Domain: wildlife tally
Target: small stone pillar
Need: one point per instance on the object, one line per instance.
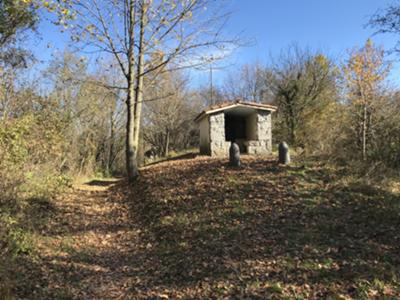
(284, 155)
(234, 155)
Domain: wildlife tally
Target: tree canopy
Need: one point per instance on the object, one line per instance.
(15, 15)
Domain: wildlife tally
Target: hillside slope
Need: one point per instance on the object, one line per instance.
(195, 228)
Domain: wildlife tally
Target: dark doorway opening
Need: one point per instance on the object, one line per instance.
(235, 130)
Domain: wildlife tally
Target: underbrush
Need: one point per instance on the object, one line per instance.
(21, 223)
(21, 220)
(30, 152)
(171, 156)
(355, 171)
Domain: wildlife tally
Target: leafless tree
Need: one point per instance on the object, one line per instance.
(132, 30)
(247, 84)
(169, 120)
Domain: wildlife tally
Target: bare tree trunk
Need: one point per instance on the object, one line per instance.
(166, 147)
(111, 144)
(364, 133)
(139, 74)
(81, 166)
(131, 163)
(135, 110)
(292, 130)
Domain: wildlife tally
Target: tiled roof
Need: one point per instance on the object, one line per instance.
(227, 105)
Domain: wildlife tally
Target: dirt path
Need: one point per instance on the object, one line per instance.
(88, 250)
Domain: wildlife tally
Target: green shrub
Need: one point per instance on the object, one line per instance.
(32, 149)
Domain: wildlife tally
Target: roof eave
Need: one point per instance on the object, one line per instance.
(204, 113)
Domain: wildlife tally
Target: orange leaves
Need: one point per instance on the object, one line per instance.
(365, 71)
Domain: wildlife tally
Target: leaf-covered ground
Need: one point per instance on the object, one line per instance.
(195, 228)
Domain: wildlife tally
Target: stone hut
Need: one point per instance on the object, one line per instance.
(246, 123)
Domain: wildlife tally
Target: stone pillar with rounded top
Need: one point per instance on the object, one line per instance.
(284, 155)
(234, 155)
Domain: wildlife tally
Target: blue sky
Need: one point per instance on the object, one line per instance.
(333, 26)
(330, 25)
